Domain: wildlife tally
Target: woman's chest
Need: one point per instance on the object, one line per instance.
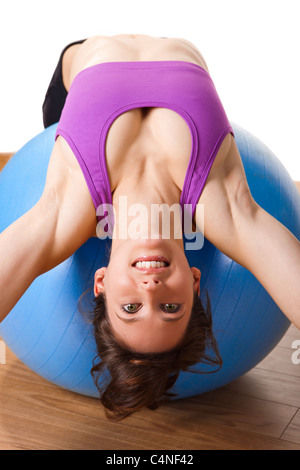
(143, 138)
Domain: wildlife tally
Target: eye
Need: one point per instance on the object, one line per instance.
(170, 308)
(131, 308)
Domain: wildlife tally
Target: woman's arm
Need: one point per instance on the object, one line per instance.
(24, 248)
(272, 253)
(246, 233)
(62, 220)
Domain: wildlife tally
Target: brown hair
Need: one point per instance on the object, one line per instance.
(135, 380)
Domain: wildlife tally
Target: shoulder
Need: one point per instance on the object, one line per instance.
(226, 197)
(65, 183)
(227, 175)
(63, 168)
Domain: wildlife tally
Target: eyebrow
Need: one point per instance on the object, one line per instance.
(134, 319)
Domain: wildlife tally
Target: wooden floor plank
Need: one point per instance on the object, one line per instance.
(292, 433)
(4, 159)
(37, 415)
(68, 421)
(234, 410)
(269, 386)
(280, 360)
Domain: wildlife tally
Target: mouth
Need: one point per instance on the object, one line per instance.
(151, 263)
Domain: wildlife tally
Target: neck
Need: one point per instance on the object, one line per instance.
(146, 208)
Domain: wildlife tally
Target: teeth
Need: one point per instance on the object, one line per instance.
(150, 264)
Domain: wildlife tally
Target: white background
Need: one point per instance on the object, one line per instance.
(251, 48)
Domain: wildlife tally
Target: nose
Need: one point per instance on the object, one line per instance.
(150, 285)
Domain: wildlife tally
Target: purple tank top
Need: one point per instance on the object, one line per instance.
(101, 93)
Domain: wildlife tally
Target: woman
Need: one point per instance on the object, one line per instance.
(143, 121)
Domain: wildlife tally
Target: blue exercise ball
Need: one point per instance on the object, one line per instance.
(46, 331)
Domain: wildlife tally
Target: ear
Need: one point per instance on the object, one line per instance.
(99, 281)
(197, 276)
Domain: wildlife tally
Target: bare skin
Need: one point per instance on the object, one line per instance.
(138, 145)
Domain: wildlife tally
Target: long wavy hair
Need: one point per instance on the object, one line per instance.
(127, 381)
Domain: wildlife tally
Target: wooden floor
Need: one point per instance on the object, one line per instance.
(260, 411)
(4, 159)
